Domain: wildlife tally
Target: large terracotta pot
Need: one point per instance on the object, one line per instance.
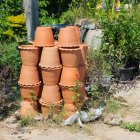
(51, 94)
(50, 109)
(51, 75)
(50, 57)
(69, 96)
(29, 75)
(77, 31)
(29, 54)
(29, 109)
(69, 76)
(67, 38)
(30, 93)
(70, 57)
(82, 71)
(43, 37)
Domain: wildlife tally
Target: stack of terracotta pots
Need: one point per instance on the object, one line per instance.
(51, 69)
(73, 57)
(29, 80)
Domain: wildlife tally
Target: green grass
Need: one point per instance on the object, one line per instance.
(26, 121)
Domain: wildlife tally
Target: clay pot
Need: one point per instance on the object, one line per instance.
(51, 94)
(82, 71)
(70, 57)
(50, 109)
(29, 109)
(67, 38)
(51, 75)
(29, 75)
(69, 76)
(43, 37)
(83, 53)
(77, 31)
(29, 54)
(50, 57)
(30, 93)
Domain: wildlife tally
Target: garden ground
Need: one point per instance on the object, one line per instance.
(103, 129)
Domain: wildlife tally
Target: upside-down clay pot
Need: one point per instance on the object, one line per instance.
(29, 75)
(67, 38)
(30, 93)
(77, 31)
(83, 53)
(51, 94)
(51, 75)
(70, 57)
(50, 57)
(69, 76)
(43, 37)
(29, 109)
(29, 54)
(82, 71)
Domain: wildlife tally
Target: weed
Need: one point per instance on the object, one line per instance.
(26, 121)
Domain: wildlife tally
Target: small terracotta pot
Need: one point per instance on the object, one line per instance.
(29, 75)
(43, 37)
(82, 71)
(50, 109)
(30, 93)
(67, 38)
(70, 57)
(50, 57)
(69, 76)
(51, 76)
(29, 54)
(83, 53)
(77, 31)
(29, 109)
(51, 94)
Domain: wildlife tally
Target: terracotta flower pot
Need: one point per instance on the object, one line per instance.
(70, 57)
(77, 31)
(51, 94)
(67, 38)
(50, 57)
(51, 75)
(82, 71)
(30, 93)
(29, 109)
(29, 75)
(83, 53)
(69, 96)
(69, 76)
(50, 109)
(43, 37)
(29, 54)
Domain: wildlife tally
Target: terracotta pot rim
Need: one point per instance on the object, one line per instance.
(32, 85)
(43, 27)
(50, 68)
(27, 47)
(70, 49)
(68, 45)
(44, 103)
(42, 45)
(69, 86)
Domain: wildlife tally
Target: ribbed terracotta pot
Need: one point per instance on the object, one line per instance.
(82, 71)
(50, 57)
(68, 38)
(30, 93)
(70, 57)
(29, 109)
(43, 37)
(83, 53)
(28, 75)
(51, 75)
(77, 31)
(69, 76)
(50, 109)
(29, 54)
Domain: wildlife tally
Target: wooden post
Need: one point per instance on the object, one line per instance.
(32, 18)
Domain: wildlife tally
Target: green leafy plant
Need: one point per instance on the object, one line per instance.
(26, 121)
